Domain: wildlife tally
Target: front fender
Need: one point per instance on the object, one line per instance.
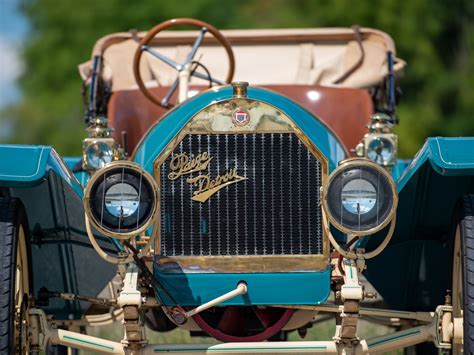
(28, 165)
(62, 257)
(446, 156)
(430, 187)
(414, 271)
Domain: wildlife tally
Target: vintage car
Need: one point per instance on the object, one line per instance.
(239, 184)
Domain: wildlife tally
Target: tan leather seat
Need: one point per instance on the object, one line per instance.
(346, 111)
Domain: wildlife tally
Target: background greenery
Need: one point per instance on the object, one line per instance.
(435, 37)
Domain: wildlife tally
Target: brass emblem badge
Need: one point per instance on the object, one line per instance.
(241, 117)
(206, 187)
(182, 164)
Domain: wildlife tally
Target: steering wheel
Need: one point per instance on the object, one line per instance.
(183, 68)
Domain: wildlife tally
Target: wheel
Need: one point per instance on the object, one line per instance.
(204, 27)
(156, 320)
(56, 350)
(15, 283)
(422, 349)
(242, 323)
(463, 275)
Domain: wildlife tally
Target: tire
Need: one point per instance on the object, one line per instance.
(59, 350)
(463, 274)
(156, 320)
(15, 283)
(422, 349)
(463, 280)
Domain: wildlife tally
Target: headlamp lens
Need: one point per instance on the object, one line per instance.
(358, 196)
(122, 200)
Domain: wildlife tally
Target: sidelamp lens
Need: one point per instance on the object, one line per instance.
(99, 154)
(380, 151)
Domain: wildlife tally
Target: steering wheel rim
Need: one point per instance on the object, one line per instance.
(172, 23)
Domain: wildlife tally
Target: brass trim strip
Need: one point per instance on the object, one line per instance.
(244, 263)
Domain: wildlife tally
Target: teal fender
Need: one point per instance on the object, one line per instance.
(414, 271)
(62, 257)
(27, 165)
(192, 289)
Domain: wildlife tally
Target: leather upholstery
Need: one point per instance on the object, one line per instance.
(346, 111)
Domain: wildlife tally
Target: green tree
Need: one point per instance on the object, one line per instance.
(433, 36)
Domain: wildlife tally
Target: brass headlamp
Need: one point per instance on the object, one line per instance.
(120, 200)
(360, 197)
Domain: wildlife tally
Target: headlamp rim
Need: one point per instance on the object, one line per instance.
(93, 180)
(351, 163)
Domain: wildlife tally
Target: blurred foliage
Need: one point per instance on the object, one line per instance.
(433, 36)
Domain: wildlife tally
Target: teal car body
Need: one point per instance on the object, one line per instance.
(429, 188)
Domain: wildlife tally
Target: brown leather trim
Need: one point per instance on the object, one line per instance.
(345, 112)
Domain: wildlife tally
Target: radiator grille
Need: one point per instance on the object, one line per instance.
(275, 211)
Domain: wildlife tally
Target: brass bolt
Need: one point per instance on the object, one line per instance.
(372, 295)
(448, 298)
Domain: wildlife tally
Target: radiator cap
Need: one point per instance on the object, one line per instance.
(240, 88)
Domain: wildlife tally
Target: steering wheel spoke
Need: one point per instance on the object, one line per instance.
(206, 77)
(162, 57)
(203, 29)
(166, 100)
(195, 47)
